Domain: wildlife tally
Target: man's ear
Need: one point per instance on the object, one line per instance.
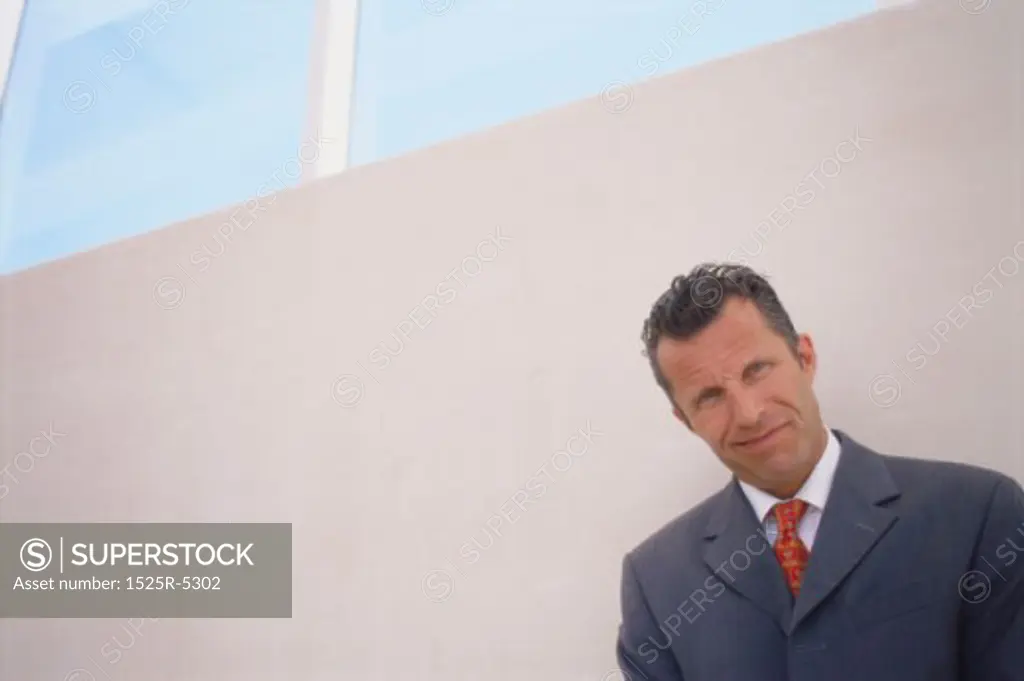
(807, 355)
(681, 416)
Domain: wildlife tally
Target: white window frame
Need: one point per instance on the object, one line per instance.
(332, 76)
(10, 22)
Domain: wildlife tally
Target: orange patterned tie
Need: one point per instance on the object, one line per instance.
(789, 548)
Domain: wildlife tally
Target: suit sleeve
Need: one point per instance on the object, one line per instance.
(993, 622)
(637, 651)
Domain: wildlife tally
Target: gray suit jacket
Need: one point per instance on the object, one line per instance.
(916, 574)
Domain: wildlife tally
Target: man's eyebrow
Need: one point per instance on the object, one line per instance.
(706, 391)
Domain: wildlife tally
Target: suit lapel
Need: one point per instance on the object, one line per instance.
(851, 525)
(738, 553)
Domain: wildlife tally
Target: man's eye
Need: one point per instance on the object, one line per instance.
(706, 400)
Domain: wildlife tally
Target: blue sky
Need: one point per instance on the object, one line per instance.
(123, 116)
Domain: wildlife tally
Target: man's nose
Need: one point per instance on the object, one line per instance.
(747, 406)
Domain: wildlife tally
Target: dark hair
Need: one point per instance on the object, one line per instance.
(696, 299)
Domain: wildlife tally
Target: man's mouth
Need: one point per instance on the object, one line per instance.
(763, 437)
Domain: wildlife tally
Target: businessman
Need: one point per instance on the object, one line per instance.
(820, 560)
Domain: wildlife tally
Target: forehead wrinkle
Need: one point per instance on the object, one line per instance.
(725, 356)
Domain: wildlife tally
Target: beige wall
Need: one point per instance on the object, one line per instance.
(261, 395)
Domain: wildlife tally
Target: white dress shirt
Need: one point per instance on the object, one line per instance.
(814, 492)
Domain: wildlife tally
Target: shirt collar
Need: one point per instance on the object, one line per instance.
(815, 489)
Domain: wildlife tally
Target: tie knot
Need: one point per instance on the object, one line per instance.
(789, 513)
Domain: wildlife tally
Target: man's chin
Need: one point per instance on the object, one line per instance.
(778, 468)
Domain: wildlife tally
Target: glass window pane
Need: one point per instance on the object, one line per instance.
(430, 70)
(122, 116)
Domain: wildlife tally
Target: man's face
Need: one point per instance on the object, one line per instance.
(739, 387)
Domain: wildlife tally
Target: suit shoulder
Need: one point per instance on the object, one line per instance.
(961, 479)
(679, 534)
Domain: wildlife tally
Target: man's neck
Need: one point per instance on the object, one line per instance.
(790, 488)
